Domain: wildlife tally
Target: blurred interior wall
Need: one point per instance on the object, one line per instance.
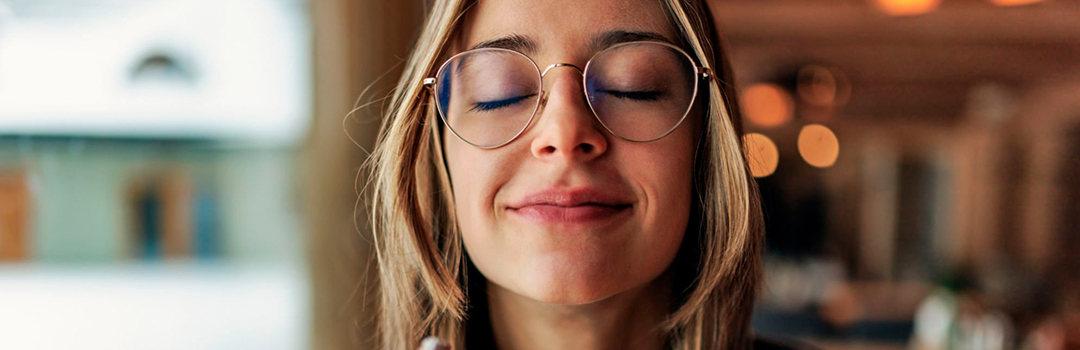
(355, 42)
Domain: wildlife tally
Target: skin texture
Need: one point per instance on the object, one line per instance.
(585, 285)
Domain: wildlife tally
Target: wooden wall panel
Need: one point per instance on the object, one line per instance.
(355, 42)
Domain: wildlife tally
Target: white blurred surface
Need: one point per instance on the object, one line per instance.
(232, 70)
(156, 306)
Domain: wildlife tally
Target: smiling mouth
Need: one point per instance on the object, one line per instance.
(581, 213)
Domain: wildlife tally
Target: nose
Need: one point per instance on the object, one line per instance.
(566, 129)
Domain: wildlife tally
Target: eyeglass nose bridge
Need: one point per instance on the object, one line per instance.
(543, 92)
(557, 65)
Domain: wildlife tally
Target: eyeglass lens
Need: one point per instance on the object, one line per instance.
(638, 91)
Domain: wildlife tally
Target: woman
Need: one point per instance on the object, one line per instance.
(565, 174)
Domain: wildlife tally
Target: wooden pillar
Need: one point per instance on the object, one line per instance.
(355, 42)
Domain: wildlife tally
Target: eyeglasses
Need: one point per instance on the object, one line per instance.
(639, 91)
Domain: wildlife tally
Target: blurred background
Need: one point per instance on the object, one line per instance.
(179, 174)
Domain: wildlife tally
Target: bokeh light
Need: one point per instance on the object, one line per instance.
(767, 105)
(818, 145)
(763, 154)
(822, 86)
(907, 7)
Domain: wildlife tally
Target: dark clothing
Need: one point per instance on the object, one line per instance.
(769, 344)
(478, 324)
(759, 344)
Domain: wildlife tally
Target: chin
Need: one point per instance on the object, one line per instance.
(570, 284)
(569, 296)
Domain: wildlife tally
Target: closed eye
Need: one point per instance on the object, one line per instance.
(485, 106)
(635, 95)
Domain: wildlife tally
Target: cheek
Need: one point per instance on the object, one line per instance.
(472, 176)
(664, 172)
(476, 175)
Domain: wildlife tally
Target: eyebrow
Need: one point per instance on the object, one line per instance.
(614, 37)
(514, 42)
(602, 41)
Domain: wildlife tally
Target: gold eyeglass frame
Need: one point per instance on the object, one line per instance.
(432, 82)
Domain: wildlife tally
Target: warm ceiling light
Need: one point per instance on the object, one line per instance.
(818, 145)
(1013, 2)
(823, 86)
(767, 105)
(762, 154)
(907, 7)
(817, 85)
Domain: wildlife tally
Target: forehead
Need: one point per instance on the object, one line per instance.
(567, 26)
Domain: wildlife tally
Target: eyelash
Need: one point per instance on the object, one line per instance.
(635, 95)
(493, 105)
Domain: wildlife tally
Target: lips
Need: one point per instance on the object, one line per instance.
(577, 205)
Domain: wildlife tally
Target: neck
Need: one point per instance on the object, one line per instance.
(628, 320)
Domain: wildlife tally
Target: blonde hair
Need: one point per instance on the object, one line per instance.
(421, 260)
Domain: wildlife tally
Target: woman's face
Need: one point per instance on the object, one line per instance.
(568, 213)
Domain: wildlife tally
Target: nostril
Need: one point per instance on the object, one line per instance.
(587, 148)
